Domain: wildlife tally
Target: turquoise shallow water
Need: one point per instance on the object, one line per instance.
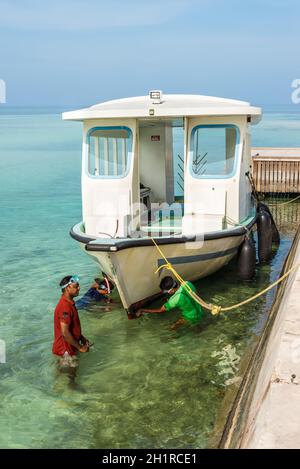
(140, 385)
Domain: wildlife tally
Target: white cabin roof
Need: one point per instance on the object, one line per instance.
(171, 105)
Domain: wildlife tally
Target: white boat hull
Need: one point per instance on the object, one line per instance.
(133, 268)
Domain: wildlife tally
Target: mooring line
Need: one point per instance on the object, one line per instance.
(216, 309)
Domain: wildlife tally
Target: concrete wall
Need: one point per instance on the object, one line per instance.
(274, 414)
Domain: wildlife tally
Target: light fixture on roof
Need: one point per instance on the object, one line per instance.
(156, 96)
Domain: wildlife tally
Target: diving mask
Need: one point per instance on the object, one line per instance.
(73, 279)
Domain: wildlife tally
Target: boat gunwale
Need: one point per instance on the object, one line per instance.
(119, 244)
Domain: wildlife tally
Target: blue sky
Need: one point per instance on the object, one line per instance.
(70, 52)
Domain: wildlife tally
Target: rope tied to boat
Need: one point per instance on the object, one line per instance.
(285, 203)
(232, 222)
(217, 309)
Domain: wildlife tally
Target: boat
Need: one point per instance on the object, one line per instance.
(132, 214)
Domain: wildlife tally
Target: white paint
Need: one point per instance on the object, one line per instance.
(172, 105)
(108, 203)
(215, 196)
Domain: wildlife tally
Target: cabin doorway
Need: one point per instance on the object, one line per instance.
(161, 174)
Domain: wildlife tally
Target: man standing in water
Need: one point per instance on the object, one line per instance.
(191, 311)
(68, 339)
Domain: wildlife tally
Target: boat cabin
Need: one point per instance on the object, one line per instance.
(165, 165)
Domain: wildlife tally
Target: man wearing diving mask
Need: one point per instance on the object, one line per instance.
(68, 339)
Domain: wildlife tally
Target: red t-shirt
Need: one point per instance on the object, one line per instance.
(66, 312)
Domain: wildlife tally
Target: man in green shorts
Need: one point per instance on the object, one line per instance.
(191, 311)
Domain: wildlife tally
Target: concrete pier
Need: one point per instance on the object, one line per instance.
(266, 412)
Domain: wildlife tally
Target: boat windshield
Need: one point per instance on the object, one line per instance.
(109, 152)
(214, 149)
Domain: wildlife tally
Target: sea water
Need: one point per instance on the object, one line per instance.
(141, 385)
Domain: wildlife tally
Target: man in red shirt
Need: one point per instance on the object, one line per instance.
(68, 339)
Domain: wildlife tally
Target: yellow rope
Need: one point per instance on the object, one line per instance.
(285, 203)
(216, 309)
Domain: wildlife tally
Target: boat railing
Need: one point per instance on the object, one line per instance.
(180, 173)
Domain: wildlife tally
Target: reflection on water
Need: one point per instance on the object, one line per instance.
(286, 213)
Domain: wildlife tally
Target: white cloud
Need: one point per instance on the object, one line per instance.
(87, 15)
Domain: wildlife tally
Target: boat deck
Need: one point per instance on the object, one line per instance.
(162, 226)
(165, 225)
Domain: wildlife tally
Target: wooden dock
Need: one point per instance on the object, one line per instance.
(276, 170)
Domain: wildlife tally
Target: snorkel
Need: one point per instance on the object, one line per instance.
(107, 285)
(104, 283)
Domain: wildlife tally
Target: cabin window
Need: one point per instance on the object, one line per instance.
(213, 150)
(109, 151)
